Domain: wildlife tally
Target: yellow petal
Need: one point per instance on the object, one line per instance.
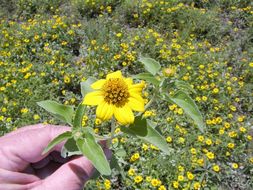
(104, 111)
(93, 98)
(124, 115)
(136, 96)
(137, 87)
(116, 74)
(128, 81)
(98, 84)
(135, 104)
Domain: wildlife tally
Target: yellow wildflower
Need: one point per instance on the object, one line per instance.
(116, 96)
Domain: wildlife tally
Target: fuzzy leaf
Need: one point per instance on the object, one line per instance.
(147, 77)
(93, 151)
(183, 100)
(57, 140)
(145, 130)
(150, 65)
(60, 111)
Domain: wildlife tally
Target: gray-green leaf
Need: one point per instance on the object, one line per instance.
(85, 86)
(79, 116)
(150, 65)
(144, 129)
(183, 100)
(70, 148)
(93, 151)
(184, 86)
(147, 77)
(57, 140)
(60, 111)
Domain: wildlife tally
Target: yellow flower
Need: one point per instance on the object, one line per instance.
(138, 179)
(107, 184)
(180, 178)
(235, 165)
(116, 96)
(190, 176)
(175, 184)
(196, 185)
(131, 172)
(231, 145)
(162, 187)
(66, 79)
(155, 182)
(169, 139)
(216, 168)
(210, 155)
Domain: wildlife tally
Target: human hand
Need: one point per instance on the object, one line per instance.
(23, 167)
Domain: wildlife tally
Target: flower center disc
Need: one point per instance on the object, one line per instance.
(116, 92)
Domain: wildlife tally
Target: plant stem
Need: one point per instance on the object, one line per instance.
(113, 126)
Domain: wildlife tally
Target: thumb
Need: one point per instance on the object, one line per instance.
(72, 175)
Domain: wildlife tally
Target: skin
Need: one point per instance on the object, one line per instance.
(22, 167)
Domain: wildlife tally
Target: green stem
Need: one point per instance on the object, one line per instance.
(113, 126)
(149, 103)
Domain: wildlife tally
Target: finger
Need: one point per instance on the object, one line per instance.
(76, 173)
(26, 128)
(23, 147)
(8, 177)
(18, 186)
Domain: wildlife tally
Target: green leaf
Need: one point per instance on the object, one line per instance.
(79, 116)
(144, 129)
(60, 111)
(183, 100)
(147, 77)
(150, 65)
(120, 152)
(70, 148)
(85, 86)
(93, 151)
(57, 140)
(184, 86)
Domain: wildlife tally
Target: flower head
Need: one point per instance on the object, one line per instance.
(116, 96)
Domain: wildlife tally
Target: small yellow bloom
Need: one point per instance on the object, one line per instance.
(138, 179)
(190, 176)
(180, 178)
(36, 117)
(196, 185)
(162, 187)
(216, 168)
(24, 110)
(116, 96)
(235, 165)
(155, 182)
(107, 184)
(66, 79)
(231, 145)
(169, 139)
(216, 91)
(131, 172)
(175, 184)
(210, 155)
(170, 71)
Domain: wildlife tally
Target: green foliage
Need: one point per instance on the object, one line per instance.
(62, 112)
(93, 151)
(147, 77)
(184, 101)
(57, 140)
(144, 130)
(85, 86)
